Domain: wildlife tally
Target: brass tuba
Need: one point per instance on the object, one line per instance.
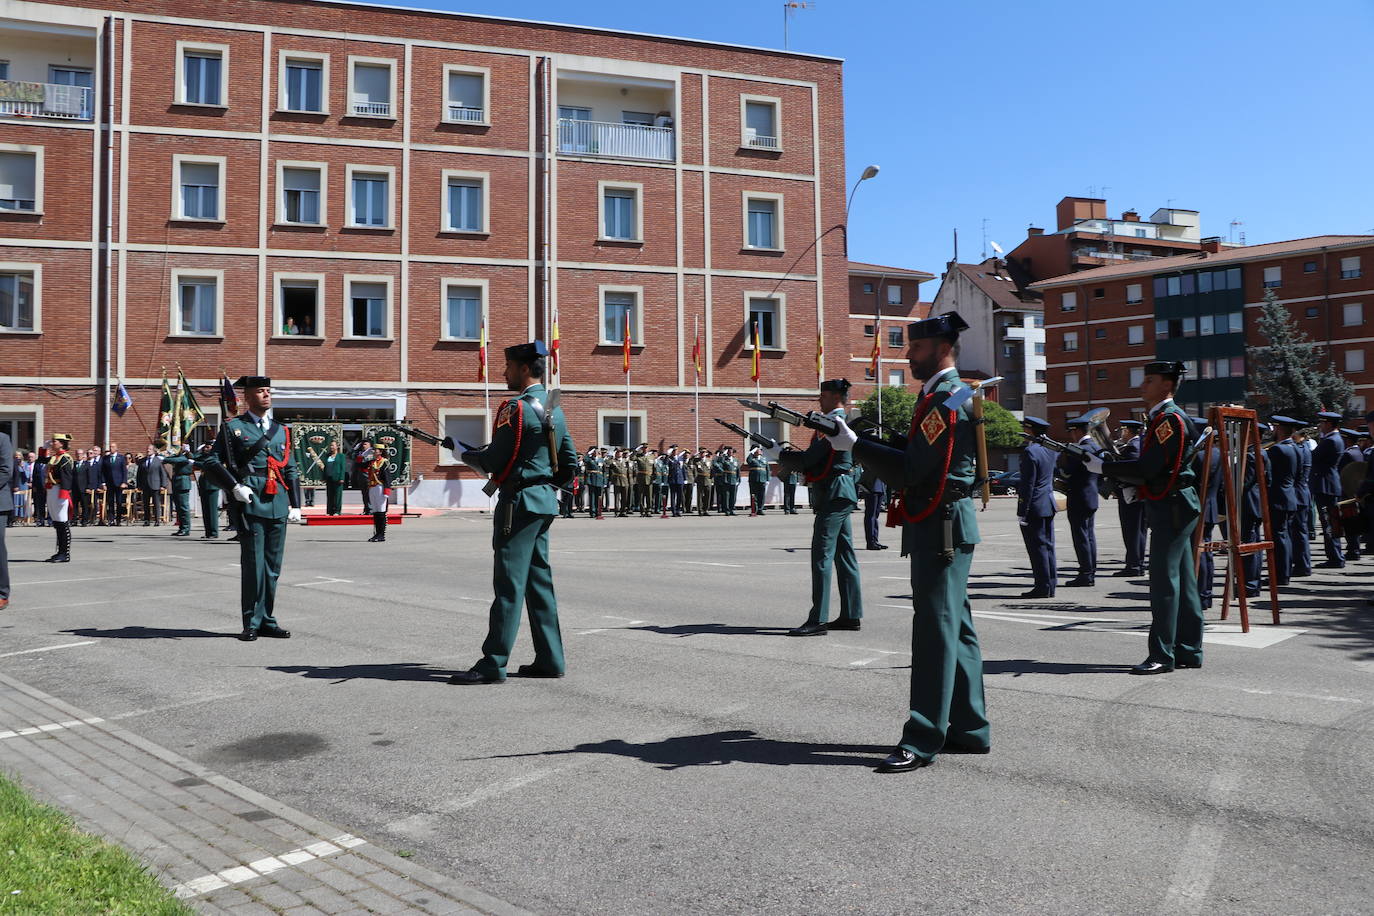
(1097, 429)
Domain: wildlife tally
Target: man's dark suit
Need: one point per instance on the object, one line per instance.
(151, 478)
(113, 475)
(6, 507)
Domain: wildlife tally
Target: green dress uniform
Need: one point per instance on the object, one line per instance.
(758, 481)
(335, 474)
(832, 542)
(935, 476)
(596, 485)
(183, 482)
(705, 487)
(518, 458)
(258, 452)
(209, 499)
(1167, 480)
(731, 467)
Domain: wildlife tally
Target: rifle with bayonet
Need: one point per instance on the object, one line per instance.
(448, 442)
(821, 423)
(756, 438)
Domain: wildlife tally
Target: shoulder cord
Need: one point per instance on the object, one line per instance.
(274, 465)
(1145, 491)
(829, 463)
(898, 514)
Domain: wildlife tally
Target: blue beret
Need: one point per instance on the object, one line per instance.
(1028, 420)
(1286, 421)
(1330, 415)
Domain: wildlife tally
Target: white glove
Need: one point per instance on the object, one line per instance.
(843, 441)
(1093, 464)
(771, 454)
(294, 516)
(243, 493)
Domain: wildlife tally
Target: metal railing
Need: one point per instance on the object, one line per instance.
(374, 109)
(621, 141)
(756, 141)
(467, 115)
(21, 99)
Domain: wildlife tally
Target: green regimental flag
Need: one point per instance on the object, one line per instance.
(164, 411)
(190, 413)
(311, 442)
(396, 447)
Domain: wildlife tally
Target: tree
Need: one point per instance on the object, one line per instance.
(1003, 429)
(1290, 375)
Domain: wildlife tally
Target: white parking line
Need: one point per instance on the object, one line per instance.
(51, 727)
(706, 563)
(240, 873)
(65, 645)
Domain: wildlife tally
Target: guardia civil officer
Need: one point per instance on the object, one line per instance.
(1035, 509)
(706, 488)
(1285, 462)
(1353, 453)
(731, 466)
(1326, 485)
(528, 441)
(1211, 509)
(1081, 505)
(1300, 530)
(335, 473)
(758, 478)
(252, 458)
(1130, 508)
(827, 470)
(790, 479)
(183, 482)
(935, 478)
(1167, 480)
(596, 481)
(60, 477)
(209, 495)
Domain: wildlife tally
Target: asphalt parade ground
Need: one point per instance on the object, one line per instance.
(695, 759)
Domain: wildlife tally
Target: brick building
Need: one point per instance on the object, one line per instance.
(1103, 325)
(882, 302)
(341, 196)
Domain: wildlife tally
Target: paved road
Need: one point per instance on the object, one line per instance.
(696, 760)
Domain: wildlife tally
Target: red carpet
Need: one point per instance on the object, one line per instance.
(354, 518)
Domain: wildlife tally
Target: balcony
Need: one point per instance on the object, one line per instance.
(461, 115)
(22, 99)
(615, 141)
(753, 140)
(371, 109)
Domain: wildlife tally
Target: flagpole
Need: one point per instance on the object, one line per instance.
(696, 375)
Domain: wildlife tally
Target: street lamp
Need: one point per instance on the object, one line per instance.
(869, 172)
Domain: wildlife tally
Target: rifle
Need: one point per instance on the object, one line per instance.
(1064, 448)
(816, 420)
(756, 438)
(446, 442)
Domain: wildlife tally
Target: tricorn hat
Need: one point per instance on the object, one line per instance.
(947, 326)
(246, 382)
(527, 352)
(1166, 367)
(837, 385)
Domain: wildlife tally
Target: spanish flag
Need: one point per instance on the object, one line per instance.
(757, 372)
(625, 349)
(696, 352)
(553, 345)
(820, 352)
(877, 350)
(482, 354)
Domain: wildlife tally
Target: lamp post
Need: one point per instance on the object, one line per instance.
(869, 172)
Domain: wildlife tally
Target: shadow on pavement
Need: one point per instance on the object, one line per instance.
(136, 632)
(1019, 666)
(397, 671)
(715, 629)
(720, 748)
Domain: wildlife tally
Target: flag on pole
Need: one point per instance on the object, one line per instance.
(696, 352)
(625, 349)
(175, 438)
(754, 377)
(877, 350)
(553, 345)
(482, 354)
(228, 399)
(121, 402)
(191, 414)
(164, 411)
(820, 352)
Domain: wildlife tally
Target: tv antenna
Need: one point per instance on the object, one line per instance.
(789, 9)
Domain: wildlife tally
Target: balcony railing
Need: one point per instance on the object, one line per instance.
(619, 141)
(21, 99)
(758, 141)
(1116, 255)
(372, 109)
(466, 115)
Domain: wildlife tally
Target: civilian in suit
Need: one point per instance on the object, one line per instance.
(1082, 505)
(677, 480)
(1353, 453)
(1035, 509)
(1301, 520)
(81, 479)
(1285, 463)
(95, 487)
(873, 510)
(1325, 482)
(1252, 518)
(114, 474)
(152, 480)
(1211, 513)
(39, 494)
(1130, 508)
(7, 473)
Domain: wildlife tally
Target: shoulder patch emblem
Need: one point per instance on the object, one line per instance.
(932, 426)
(503, 415)
(1164, 431)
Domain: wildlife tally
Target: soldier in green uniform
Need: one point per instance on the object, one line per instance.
(827, 469)
(790, 479)
(731, 466)
(758, 478)
(644, 481)
(530, 455)
(620, 481)
(209, 496)
(183, 482)
(934, 479)
(252, 459)
(1167, 481)
(595, 466)
(335, 474)
(705, 486)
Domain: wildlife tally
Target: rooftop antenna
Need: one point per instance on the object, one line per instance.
(789, 9)
(1234, 224)
(985, 238)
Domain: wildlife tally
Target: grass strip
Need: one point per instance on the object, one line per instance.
(47, 865)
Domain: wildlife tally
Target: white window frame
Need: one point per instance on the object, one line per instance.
(1133, 331)
(1068, 301)
(221, 163)
(189, 273)
(901, 378)
(637, 340)
(1273, 276)
(1345, 322)
(1356, 351)
(1139, 294)
(208, 47)
(390, 172)
(1137, 376)
(1070, 337)
(610, 413)
(485, 73)
(1350, 268)
(744, 138)
(321, 58)
(781, 330)
(446, 456)
(1077, 382)
(353, 61)
(483, 307)
(780, 221)
(446, 216)
(26, 267)
(323, 169)
(891, 288)
(36, 151)
(389, 307)
(279, 279)
(637, 188)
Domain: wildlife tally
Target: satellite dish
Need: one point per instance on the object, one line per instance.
(996, 247)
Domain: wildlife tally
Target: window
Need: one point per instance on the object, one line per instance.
(462, 425)
(868, 289)
(200, 188)
(1232, 278)
(869, 330)
(302, 192)
(1312, 311)
(1173, 286)
(1237, 323)
(1137, 376)
(1039, 348)
(896, 378)
(637, 118)
(1206, 325)
(1309, 267)
(21, 179)
(894, 294)
(1187, 282)
(620, 305)
(1190, 327)
(1040, 376)
(621, 431)
(766, 426)
(465, 201)
(621, 216)
(304, 82)
(1161, 329)
(1070, 381)
(1135, 334)
(1008, 351)
(1142, 233)
(1100, 333)
(1161, 287)
(1101, 374)
(371, 90)
(300, 305)
(1273, 277)
(1352, 314)
(369, 193)
(4, 69)
(1099, 293)
(1350, 268)
(1204, 282)
(763, 221)
(464, 309)
(1134, 293)
(369, 312)
(197, 306)
(19, 285)
(1040, 320)
(465, 95)
(760, 118)
(767, 312)
(1068, 302)
(200, 74)
(1190, 367)
(1357, 405)
(1070, 341)
(1354, 360)
(868, 374)
(894, 337)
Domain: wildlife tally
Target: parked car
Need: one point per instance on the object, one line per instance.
(1004, 482)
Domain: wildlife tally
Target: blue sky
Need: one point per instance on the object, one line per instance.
(1257, 111)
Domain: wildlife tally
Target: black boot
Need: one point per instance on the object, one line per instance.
(378, 527)
(64, 543)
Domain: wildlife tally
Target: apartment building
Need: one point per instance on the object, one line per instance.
(1103, 325)
(882, 302)
(349, 197)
